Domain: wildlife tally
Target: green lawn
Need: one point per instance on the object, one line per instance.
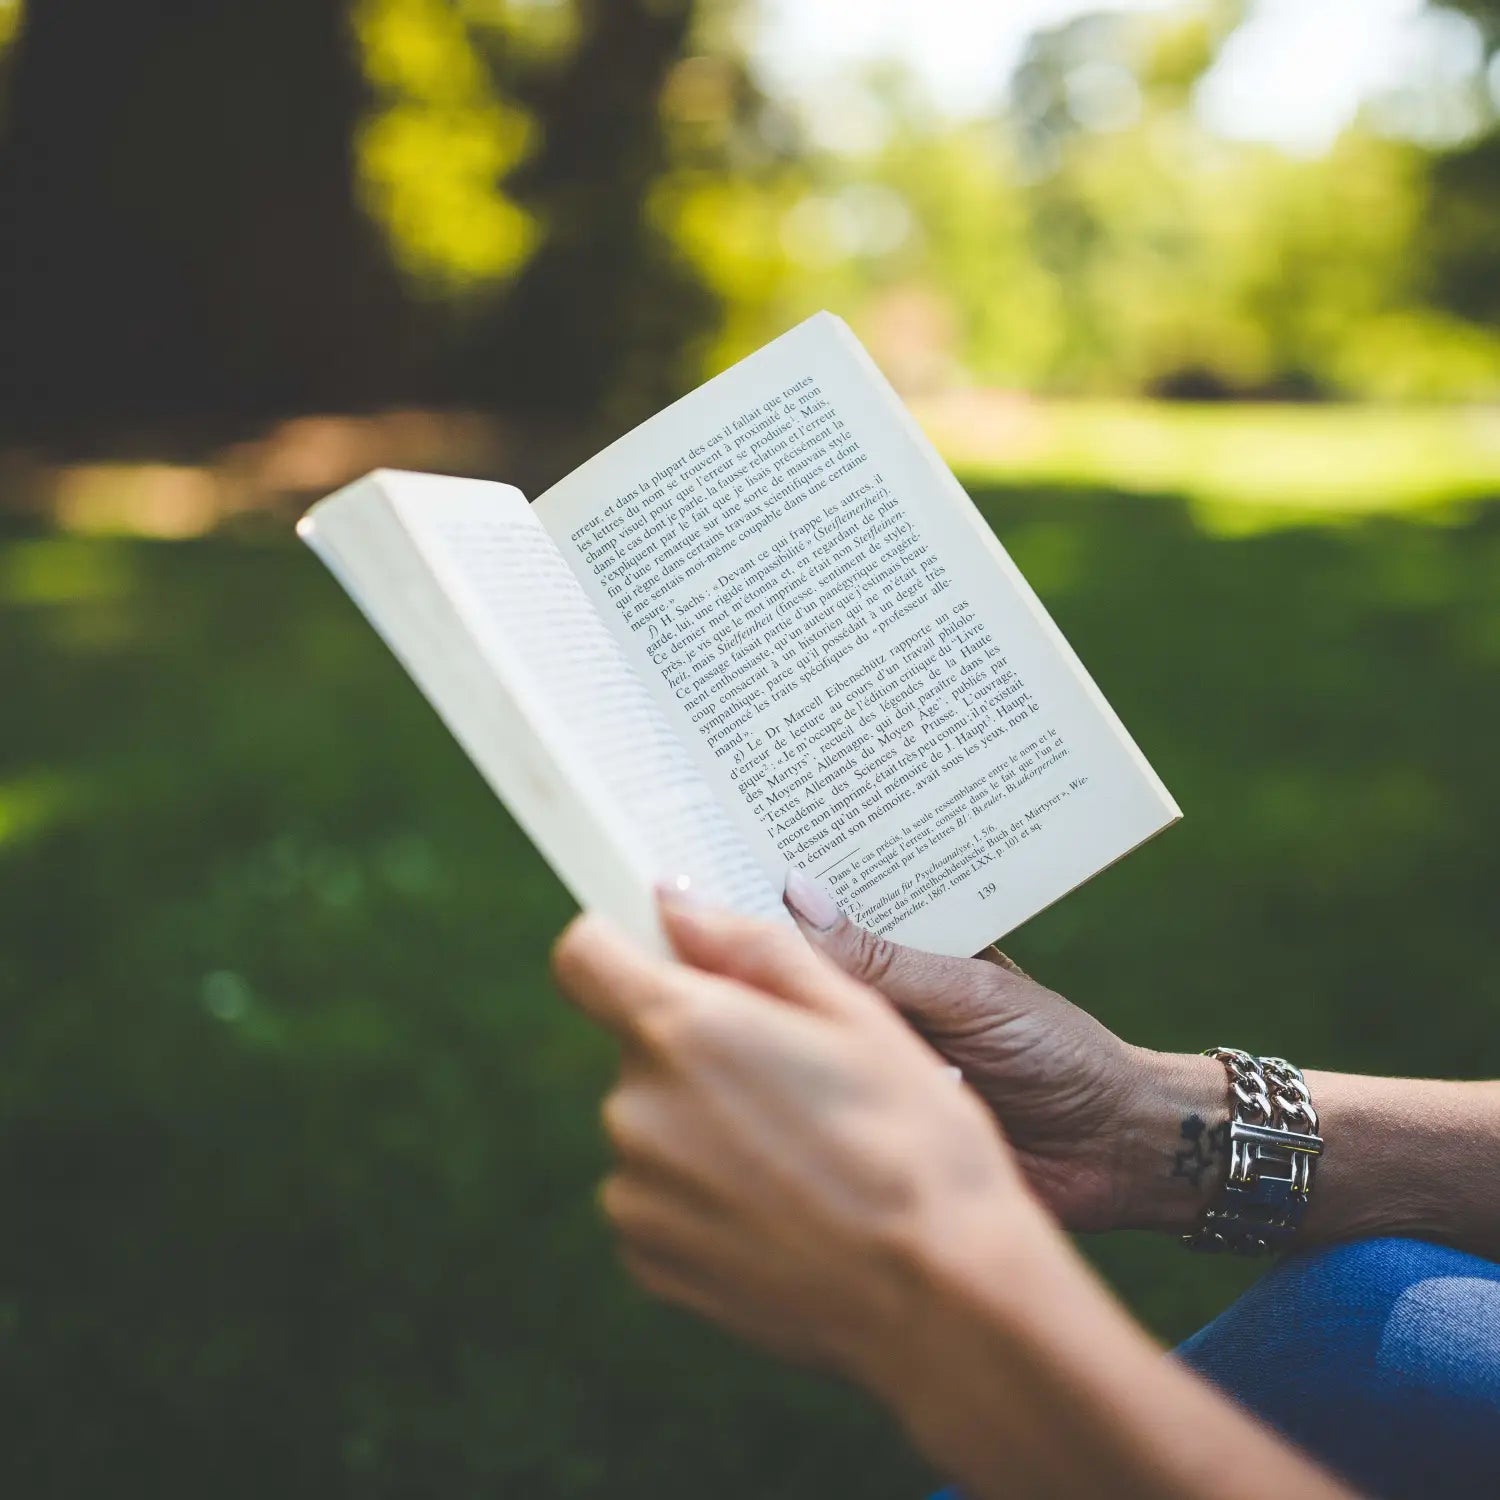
(298, 1148)
(1246, 467)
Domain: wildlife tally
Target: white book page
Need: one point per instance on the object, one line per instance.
(860, 670)
(606, 779)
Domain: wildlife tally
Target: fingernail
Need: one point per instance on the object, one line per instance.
(677, 891)
(810, 901)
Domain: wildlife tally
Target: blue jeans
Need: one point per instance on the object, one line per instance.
(1381, 1358)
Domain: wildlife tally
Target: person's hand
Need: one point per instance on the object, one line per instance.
(790, 1155)
(795, 1164)
(1095, 1123)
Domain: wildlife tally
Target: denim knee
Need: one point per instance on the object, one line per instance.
(1375, 1269)
(1380, 1356)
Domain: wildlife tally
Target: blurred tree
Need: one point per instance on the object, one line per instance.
(223, 215)
(597, 319)
(1098, 237)
(563, 210)
(185, 254)
(1485, 14)
(433, 156)
(1461, 244)
(509, 157)
(10, 26)
(737, 168)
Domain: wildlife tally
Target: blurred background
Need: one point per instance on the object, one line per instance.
(297, 1149)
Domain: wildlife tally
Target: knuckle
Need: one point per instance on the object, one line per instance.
(764, 948)
(632, 1213)
(618, 1116)
(562, 959)
(606, 1195)
(645, 1273)
(569, 957)
(614, 1202)
(871, 957)
(681, 1030)
(661, 1029)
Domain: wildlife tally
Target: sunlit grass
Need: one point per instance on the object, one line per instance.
(1244, 468)
(31, 805)
(1241, 468)
(63, 570)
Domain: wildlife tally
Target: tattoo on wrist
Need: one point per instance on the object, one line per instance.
(1206, 1147)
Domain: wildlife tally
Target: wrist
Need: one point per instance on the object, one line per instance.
(1170, 1146)
(1019, 1372)
(994, 1252)
(1013, 1369)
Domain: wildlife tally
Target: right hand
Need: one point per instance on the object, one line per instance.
(792, 1162)
(1084, 1110)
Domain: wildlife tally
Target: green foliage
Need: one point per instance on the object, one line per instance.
(1459, 240)
(433, 158)
(299, 1147)
(11, 16)
(1156, 252)
(567, 211)
(1096, 237)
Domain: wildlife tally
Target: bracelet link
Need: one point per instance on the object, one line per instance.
(1273, 1144)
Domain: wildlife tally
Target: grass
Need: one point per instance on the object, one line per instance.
(298, 1147)
(1244, 467)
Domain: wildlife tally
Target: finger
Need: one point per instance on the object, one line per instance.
(648, 1140)
(652, 1225)
(672, 1279)
(672, 1016)
(663, 1277)
(608, 977)
(761, 954)
(665, 1216)
(928, 988)
(679, 1282)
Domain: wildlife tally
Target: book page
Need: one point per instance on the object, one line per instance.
(609, 748)
(862, 673)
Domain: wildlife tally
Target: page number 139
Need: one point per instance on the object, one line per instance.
(986, 891)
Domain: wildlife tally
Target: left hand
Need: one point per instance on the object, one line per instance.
(1094, 1122)
(790, 1154)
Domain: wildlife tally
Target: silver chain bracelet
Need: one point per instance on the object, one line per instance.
(1273, 1145)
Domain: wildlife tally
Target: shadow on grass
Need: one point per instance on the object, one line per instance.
(299, 1148)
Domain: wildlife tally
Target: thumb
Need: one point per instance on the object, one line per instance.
(929, 989)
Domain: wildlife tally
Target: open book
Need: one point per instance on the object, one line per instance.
(766, 627)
